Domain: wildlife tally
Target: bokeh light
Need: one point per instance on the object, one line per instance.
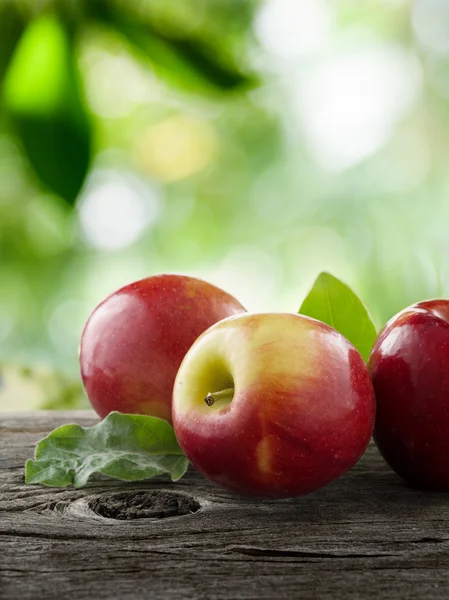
(115, 209)
(351, 102)
(290, 29)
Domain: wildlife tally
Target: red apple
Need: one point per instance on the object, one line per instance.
(273, 405)
(135, 340)
(409, 365)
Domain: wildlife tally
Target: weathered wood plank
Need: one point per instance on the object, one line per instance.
(364, 536)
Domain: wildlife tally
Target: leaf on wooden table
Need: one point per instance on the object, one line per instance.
(127, 447)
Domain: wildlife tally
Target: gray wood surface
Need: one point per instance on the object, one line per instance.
(364, 536)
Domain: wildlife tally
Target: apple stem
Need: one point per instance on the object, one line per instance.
(225, 395)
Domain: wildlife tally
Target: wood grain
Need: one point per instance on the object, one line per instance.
(365, 536)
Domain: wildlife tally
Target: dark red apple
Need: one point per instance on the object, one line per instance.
(273, 405)
(135, 340)
(409, 366)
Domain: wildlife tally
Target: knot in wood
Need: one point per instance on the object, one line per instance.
(154, 504)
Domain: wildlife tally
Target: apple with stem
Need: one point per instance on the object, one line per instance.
(135, 340)
(273, 405)
(409, 366)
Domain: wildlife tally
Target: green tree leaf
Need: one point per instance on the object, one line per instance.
(180, 58)
(333, 302)
(42, 96)
(127, 447)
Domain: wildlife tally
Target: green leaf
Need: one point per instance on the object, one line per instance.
(180, 58)
(127, 447)
(333, 302)
(42, 96)
(12, 24)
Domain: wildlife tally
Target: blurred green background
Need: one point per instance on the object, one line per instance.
(251, 143)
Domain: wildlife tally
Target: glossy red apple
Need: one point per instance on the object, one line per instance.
(273, 405)
(409, 365)
(135, 340)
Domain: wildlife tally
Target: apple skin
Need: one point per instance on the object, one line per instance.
(409, 366)
(301, 413)
(134, 341)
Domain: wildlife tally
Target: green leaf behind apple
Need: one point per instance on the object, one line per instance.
(333, 302)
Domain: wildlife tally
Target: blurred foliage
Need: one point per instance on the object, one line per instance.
(12, 24)
(24, 388)
(43, 102)
(191, 59)
(252, 143)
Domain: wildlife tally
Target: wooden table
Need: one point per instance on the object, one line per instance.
(364, 536)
